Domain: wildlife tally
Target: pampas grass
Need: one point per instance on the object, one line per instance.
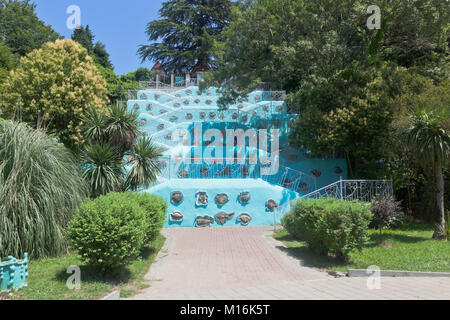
(40, 190)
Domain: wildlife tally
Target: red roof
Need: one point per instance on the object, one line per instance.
(158, 67)
(201, 67)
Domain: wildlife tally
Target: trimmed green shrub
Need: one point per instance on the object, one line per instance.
(155, 208)
(109, 231)
(329, 225)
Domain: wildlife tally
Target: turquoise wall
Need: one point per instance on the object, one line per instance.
(326, 171)
(260, 192)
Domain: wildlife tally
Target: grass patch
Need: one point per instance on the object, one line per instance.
(409, 247)
(47, 278)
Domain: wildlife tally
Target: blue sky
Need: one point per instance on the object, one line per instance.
(120, 25)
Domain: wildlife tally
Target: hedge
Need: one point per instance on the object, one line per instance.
(111, 230)
(330, 226)
(155, 208)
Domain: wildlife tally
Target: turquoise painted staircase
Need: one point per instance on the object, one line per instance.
(172, 118)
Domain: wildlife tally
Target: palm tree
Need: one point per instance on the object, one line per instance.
(142, 162)
(122, 128)
(431, 142)
(94, 124)
(102, 169)
(114, 136)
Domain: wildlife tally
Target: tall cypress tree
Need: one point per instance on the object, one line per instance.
(85, 37)
(101, 56)
(185, 31)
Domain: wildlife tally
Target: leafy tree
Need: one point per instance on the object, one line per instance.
(41, 187)
(117, 86)
(341, 77)
(85, 37)
(6, 61)
(186, 33)
(349, 115)
(416, 32)
(286, 42)
(351, 86)
(414, 182)
(431, 143)
(53, 87)
(20, 29)
(141, 74)
(290, 42)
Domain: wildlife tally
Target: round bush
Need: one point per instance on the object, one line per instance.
(109, 231)
(329, 225)
(155, 209)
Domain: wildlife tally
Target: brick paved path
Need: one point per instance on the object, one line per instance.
(247, 263)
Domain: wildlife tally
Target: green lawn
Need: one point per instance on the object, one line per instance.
(47, 278)
(407, 248)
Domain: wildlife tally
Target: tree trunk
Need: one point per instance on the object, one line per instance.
(349, 163)
(381, 232)
(440, 232)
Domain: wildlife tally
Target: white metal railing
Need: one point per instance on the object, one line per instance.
(232, 168)
(173, 82)
(362, 190)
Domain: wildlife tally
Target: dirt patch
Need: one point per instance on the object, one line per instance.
(388, 245)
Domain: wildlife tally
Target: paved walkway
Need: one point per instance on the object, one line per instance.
(235, 263)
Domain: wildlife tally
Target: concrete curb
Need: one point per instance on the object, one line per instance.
(115, 295)
(393, 273)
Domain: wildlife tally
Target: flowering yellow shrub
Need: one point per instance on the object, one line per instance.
(53, 87)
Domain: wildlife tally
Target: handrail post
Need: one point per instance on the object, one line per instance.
(340, 181)
(275, 219)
